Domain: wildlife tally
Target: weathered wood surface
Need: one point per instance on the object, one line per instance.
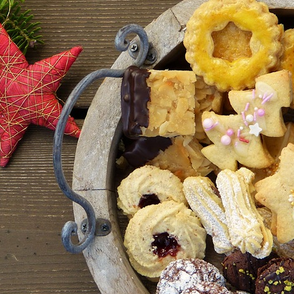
(93, 168)
(33, 210)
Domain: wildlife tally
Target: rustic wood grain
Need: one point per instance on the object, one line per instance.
(33, 209)
(93, 24)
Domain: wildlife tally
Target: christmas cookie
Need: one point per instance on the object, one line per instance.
(277, 193)
(287, 60)
(207, 288)
(204, 200)
(182, 274)
(240, 269)
(246, 228)
(237, 136)
(159, 234)
(148, 185)
(277, 276)
(183, 158)
(213, 42)
(158, 103)
(262, 105)
(233, 142)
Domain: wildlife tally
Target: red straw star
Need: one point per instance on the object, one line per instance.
(27, 93)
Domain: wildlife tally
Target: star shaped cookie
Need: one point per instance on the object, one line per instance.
(28, 93)
(277, 193)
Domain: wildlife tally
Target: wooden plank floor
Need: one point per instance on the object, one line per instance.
(33, 209)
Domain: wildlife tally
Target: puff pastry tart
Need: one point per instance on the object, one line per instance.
(231, 42)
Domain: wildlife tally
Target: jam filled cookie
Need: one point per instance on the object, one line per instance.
(232, 42)
(159, 234)
(183, 274)
(148, 185)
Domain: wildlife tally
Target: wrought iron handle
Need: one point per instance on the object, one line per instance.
(142, 53)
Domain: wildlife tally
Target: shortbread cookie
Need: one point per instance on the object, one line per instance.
(262, 105)
(233, 143)
(276, 277)
(158, 103)
(231, 42)
(159, 234)
(183, 158)
(287, 60)
(277, 193)
(148, 185)
(182, 274)
(246, 228)
(202, 197)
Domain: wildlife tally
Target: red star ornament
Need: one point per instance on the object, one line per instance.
(27, 93)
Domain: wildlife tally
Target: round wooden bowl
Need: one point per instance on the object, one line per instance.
(94, 176)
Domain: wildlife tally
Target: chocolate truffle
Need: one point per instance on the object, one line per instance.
(240, 270)
(277, 276)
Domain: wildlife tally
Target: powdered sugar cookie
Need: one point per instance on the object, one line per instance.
(181, 275)
(202, 197)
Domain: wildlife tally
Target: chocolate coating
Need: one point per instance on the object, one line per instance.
(138, 152)
(240, 270)
(276, 277)
(135, 95)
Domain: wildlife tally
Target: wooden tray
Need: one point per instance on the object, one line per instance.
(93, 175)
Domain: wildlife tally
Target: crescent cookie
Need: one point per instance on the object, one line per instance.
(159, 234)
(222, 24)
(148, 185)
(200, 193)
(246, 228)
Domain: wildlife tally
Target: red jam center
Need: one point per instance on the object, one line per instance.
(148, 199)
(165, 244)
